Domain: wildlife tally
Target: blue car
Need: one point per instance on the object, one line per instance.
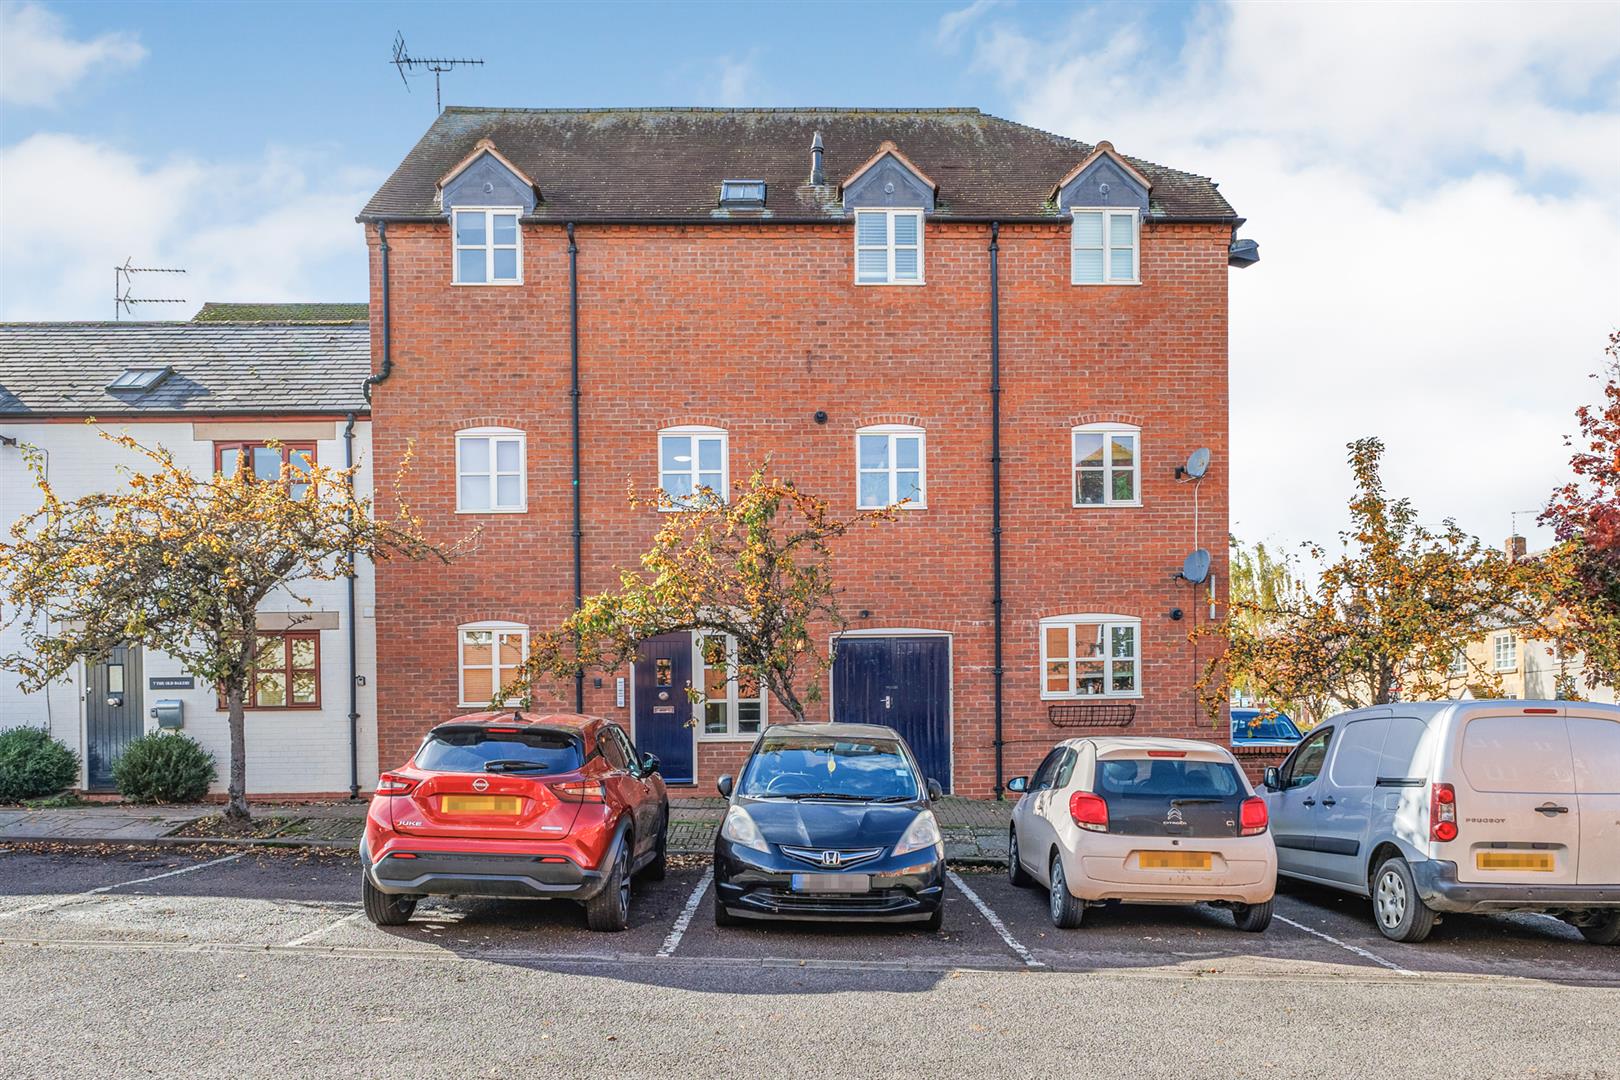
(1255, 729)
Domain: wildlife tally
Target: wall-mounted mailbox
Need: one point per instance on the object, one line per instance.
(169, 713)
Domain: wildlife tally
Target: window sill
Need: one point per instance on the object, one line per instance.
(890, 284)
(1082, 698)
(274, 708)
(1109, 505)
(885, 506)
(485, 284)
(1104, 284)
(505, 510)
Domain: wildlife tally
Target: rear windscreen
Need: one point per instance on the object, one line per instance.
(1170, 796)
(1518, 754)
(474, 749)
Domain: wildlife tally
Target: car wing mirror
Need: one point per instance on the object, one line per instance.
(1272, 778)
(1018, 785)
(724, 787)
(650, 764)
(934, 790)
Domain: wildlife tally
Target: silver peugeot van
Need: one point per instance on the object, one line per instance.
(1458, 806)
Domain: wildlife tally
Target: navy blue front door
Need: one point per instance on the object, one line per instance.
(904, 683)
(663, 711)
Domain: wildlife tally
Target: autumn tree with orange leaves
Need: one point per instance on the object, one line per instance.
(757, 567)
(181, 564)
(1386, 619)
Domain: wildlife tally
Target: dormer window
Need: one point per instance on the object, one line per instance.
(138, 379)
(742, 194)
(889, 247)
(488, 245)
(1104, 249)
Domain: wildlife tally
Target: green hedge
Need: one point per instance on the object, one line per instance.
(32, 765)
(164, 768)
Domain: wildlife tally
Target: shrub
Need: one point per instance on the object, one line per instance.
(164, 768)
(33, 764)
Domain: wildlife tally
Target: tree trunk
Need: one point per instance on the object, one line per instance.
(782, 691)
(237, 808)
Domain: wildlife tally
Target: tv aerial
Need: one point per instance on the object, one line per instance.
(409, 65)
(123, 287)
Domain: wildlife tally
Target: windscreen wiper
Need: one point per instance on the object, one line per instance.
(514, 765)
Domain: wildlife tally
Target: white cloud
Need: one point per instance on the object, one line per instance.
(736, 80)
(953, 24)
(281, 228)
(39, 62)
(1431, 187)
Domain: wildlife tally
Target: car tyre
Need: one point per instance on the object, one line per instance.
(1252, 918)
(609, 910)
(658, 869)
(1017, 876)
(1067, 909)
(385, 909)
(935, 921)
(1603, 929)
(723, 916)
(1398, 910)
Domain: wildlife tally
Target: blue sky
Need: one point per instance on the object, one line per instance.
(1432, 186)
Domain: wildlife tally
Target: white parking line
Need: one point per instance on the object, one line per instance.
(1357, 949)
(995, 920)
(323, 931)
(63, 901)
(684, 919)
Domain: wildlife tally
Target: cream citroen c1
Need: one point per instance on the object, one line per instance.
(1144, 821)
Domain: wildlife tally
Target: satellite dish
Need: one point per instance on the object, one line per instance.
(1196, 568)
(1197, 463)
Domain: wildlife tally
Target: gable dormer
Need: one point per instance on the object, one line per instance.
(888, 179)
(1103, 179)
(486, 177)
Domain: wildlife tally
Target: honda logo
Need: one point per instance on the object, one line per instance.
(480, 784)
(832, 858)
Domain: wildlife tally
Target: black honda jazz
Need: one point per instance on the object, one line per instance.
(830, 822)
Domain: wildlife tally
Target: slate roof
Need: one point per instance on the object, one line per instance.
(296, 313)
(62, 369)
(617, 164)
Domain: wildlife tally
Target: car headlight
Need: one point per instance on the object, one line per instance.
(923, 832)
(739, 828)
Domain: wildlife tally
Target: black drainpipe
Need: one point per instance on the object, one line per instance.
(995, 476)
(383, 372)
(579, 529)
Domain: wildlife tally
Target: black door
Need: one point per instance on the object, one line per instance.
(663, 711)
(904, 683)
(112, 713)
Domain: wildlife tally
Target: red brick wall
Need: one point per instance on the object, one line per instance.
(754, 328)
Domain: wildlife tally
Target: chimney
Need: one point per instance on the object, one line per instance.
(1516, 547)
(817, 177)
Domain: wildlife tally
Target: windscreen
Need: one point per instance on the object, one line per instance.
(797, 768)
(473, 749)
(1170, 796)
(1253, 725)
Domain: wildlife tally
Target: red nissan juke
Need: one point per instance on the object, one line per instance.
(506, 805)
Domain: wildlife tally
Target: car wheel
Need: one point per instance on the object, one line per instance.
(1067, 908)
(1398, 910)
(1252, 918)
(609, 910)
(723, 917)
(658, 869)
(1602, 929)
(385, 909)
(1017, 876)
(934, 922)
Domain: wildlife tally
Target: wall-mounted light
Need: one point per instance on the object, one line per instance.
(821, 416)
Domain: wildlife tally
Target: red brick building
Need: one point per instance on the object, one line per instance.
(837, 289)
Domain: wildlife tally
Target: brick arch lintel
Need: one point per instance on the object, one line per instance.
(876, 419)
(693, 420)
(466, 422)
(1099, 416)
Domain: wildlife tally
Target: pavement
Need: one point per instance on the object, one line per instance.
(975, 830)
(207, 961)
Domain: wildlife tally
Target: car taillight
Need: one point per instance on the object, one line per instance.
(1252, 819)
(1089, 811)
(394, 784)
(580, 791)
(1443, 812)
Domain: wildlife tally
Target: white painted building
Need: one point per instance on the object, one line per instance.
(213, 394)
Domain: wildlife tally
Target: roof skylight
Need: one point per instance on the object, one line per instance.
(742, 193)
(138, 378)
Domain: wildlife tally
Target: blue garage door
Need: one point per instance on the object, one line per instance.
(903, 683)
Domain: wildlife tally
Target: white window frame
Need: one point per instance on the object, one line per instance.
(695, 432)
(1108, 214)
(700, 670)
(496, 628)
(890, 213)
(893, 432)
(1107, 431)
(488, 247)
(494, 435)
(1109, 623)
(1512, 651)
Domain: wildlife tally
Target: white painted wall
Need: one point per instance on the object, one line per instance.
(288, 752)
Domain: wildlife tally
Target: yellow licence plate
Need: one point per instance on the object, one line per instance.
(1514, 860)
(1174, 860)
(479, 804)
